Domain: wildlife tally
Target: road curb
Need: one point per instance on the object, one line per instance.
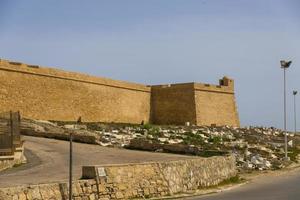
(248, 179)
(204, 192)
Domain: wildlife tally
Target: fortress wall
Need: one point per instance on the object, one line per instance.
(215, 104)
(173, 104)
(51, 94)
(197, 103)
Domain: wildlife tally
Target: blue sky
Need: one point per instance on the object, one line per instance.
(165, 41)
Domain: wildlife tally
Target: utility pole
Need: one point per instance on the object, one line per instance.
(71, 166)
(295, 110)
(284, 65)
(71, 158)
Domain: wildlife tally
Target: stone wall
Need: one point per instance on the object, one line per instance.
(10, 161)
(135, 181)
(51, 94)
(7, 162)
(199, 104)
(173, 104)
(215, 104)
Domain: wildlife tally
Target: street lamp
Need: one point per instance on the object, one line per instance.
(295, 112)
(284, 65)
(71, 157)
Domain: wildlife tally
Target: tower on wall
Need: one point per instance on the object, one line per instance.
(216, 104)
(225, 81)
(197, 103)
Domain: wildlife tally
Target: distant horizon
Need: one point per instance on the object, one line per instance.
(158, 42)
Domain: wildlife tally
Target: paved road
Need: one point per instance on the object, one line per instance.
(283, 187)
(48, 160)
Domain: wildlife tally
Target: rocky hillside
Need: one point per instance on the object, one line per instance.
(254, 147)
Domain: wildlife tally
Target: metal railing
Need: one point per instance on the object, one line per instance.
(10, 138)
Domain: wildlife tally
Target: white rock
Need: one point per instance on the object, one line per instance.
(105, 144)
(202, 135)
(247, 153)
(162, 139)
(254, 160)
(76, 126)
(290, 143)
(119, 136)
(267, 164)
(273, 156)
(175, 141)
(46, 122)
(248, 165)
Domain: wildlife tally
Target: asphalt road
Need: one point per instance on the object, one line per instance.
(283, 187)
(48, 160)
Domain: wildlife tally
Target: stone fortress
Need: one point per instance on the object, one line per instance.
(52, 94)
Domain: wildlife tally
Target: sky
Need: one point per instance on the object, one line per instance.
(166, 41)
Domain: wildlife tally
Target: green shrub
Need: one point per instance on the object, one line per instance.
(293, 153)
(193, 139)
(215, 140)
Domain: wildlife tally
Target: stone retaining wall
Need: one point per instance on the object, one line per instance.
(16, 159)
(7, 162)
(135, 181)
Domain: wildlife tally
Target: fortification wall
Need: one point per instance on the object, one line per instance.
(50, 94)
(173, 104)
(215, 108)
(131, 181)
(199, 104)
(215, 104)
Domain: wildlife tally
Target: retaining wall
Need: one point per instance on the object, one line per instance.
(16, 159)
(135, 180)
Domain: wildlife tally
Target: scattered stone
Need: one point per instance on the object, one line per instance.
(254, 147)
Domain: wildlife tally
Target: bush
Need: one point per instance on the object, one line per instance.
(215, 140)
(293, 153)
(193, 139)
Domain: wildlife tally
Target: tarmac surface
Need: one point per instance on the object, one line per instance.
(48, 160)
(282, 187)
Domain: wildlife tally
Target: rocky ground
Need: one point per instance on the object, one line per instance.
(255, 148)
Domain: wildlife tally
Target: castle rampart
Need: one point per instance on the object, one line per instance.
(52, 94)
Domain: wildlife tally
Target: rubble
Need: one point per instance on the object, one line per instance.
(255, 148)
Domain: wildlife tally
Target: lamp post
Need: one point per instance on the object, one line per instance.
(71, 166)
(284, 65)
(71, 157)
(295, 110)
